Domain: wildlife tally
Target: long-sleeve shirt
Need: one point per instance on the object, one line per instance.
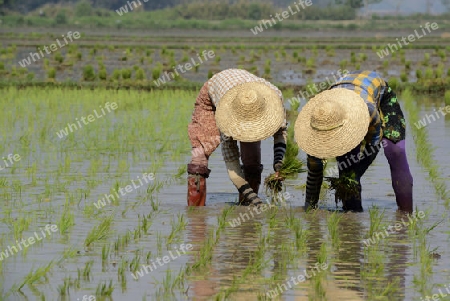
(218, 86)
(371, 87)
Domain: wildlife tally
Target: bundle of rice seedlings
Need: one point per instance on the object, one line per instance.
(345, 187)
(291, 167)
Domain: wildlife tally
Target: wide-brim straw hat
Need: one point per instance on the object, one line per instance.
(250, 112)
(332, 123)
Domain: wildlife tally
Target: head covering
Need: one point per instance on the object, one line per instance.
(332, 123)
(250, 112)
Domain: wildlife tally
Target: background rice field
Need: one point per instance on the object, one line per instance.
(98, 251)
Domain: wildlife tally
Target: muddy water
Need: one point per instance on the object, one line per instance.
(347, 278)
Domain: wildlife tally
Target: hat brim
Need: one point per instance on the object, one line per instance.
(258, 125)
(339, 141)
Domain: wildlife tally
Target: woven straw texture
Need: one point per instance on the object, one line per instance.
(250, 112)
(332, 123)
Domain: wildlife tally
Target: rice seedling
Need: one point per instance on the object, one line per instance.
(104, 290)
(99, 232)
(301, 235)
(106, 249)
(376, 217)
(64, 288)
(86, 273)
(68, 253)
(176, 228)
(34, 276)
(343, 64)
(424, 255)
(447, 97)
(429, 73)
(426, 60)
(333, 221)
(404, 77)
(205, 253)
(135, 263)
(67, 219)
(20, 225)
(418, 74)
(310, 63)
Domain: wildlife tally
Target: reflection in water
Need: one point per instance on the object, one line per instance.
(349, 255)
(237, 262)
(197, 233)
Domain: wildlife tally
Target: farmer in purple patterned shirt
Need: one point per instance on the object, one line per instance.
(351, 121)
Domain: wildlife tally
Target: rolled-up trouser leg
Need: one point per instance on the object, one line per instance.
(197, 174)
(402, 180)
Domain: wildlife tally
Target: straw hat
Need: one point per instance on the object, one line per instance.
(332, 123)
(250, 112)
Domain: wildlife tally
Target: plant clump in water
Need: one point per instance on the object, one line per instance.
(345, 187)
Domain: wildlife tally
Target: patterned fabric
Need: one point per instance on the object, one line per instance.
(279, 145)
(394, 121)
(314, 179)
(230, 149)
(387, 121)
(223, 81)
(203, 132)
(371, 87)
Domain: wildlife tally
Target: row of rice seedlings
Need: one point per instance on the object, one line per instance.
(333, 221)
(422, 255)
(286, 252)
(205, 253)
(424, 150)
(296, 227)
(255, 266)
(375, 258)
(376, 217)
(319, 276)
(121, 273)
(257, 262)
(67, 219)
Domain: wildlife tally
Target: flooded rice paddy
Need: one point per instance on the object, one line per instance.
(105, 206)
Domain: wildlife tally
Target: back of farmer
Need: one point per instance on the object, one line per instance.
(235, 105)
(351, 121)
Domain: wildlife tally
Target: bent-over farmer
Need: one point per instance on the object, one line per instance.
(235, 105)
(351, 121)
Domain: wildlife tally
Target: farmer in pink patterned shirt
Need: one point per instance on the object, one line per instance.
(235, 105)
